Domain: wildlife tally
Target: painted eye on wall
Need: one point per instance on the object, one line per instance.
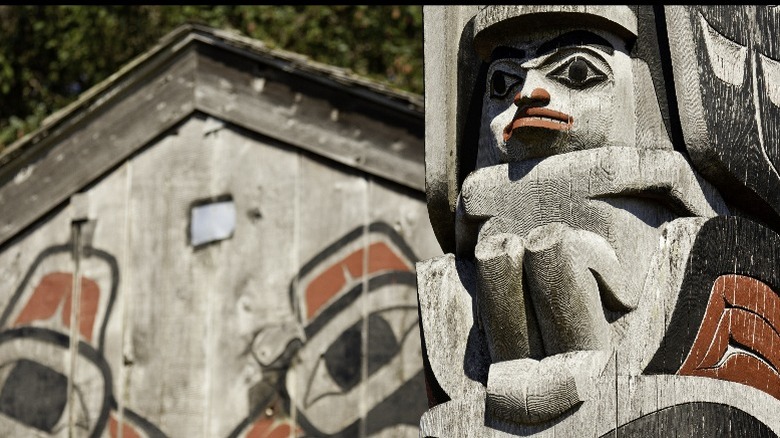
(36, 397)
(343, 357)
(578, 72)
(501, 83)
(361, 354)
(328, 370)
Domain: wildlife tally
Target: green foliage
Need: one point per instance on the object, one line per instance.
(50, 54)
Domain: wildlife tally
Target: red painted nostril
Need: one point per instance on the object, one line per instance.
(539, 95)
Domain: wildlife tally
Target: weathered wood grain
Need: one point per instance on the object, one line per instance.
(443, 40)
(614, 243)
(300, 112)
(723, 59)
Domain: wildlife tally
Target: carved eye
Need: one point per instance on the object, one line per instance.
(501, 83)
(35, 391)
(578, 72)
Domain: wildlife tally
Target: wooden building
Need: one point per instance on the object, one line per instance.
(217, 241)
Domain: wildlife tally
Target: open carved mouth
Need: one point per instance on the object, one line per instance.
(538, 118)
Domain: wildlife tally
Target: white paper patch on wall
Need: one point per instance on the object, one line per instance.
(212, 220)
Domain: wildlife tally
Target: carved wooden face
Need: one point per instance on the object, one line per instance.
(549, 95)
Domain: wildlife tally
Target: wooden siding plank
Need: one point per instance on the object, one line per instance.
(288, 109)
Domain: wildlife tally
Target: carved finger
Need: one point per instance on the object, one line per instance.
(564, 292)
(528, 391)
(500, 297)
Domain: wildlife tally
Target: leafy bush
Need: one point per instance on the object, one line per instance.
(50, 54)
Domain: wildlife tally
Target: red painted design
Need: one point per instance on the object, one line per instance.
(270, 427)
(55, 290)
(738, 339)
(127, 430)
(326, 285)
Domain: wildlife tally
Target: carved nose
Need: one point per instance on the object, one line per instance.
(540, 96)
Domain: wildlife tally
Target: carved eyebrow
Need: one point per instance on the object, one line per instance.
(503, 52)
(576, 38)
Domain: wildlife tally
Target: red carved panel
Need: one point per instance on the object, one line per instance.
(738, 339)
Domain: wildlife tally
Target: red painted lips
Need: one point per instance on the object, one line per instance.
(539, 118)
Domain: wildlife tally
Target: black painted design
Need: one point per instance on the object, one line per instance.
(697, 419)
(34, 394)
(382, 345)
(342, 358)
(387, 412)
(344, 355)
(139, 423)
(741, 154)
(85, 351)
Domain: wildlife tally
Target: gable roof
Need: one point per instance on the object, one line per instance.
(195, 69)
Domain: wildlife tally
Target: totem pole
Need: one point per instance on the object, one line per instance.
(604, 183)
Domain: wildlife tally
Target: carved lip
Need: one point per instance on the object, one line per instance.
(538, 118)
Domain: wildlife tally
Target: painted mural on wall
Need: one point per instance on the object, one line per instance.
(40, 330)
(356, 337)
(356, 325)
